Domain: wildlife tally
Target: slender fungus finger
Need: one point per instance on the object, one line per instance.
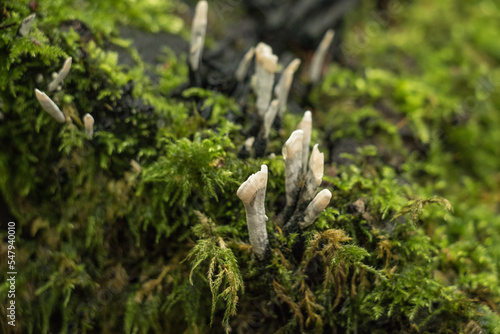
(25, 26)
(314, 209)
(61, 75)
(264, 71)
(252, 193)
(314, 174)
(261, 141)
(88, 122)
(49, 106)
(283, 87)
(269, 117)
(292, 152)
(319, 56)
(306, 126)
(317, 165)
(244, 64)
(198, 32)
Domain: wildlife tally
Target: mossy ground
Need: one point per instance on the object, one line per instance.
(410, 125)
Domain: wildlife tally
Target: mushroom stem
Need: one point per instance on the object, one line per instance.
(49, 106)
(314, 175)
(283, 87)
(88, 121)
(269, 117)
(252, 193)
(244, 64)
(61, 75)
(292, 152)
(319, 56)
(306, 126)
(264, 73)
(198, 31)
(314, 209)
(25, 26)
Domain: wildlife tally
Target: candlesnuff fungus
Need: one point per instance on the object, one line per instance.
(49, 106)
(264, 76)
(198, 31)
(269, 118)
(306, 126)
(319, 56)
(242, 70)
(88, 122)
(314, 209)
(292, 152)
(301, 209)
(25, 26)
(314, 175)
(283, 87)
(61, 75)
(253, 193)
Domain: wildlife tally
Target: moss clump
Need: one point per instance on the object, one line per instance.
(139, 229)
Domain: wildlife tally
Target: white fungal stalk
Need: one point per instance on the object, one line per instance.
(88, 122)
(244, 64)
(198, 32)
(271, 113)
(292, 152)
(253, 193)
(314, 209)
(25, 26)
(49, 106)
(317, 165)
(264, 72)
(283, 87)
(319, 56)
(315, 174)
(306, 126)
(61, 75)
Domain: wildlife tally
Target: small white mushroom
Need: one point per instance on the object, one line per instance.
(264, 71)
(88, 122)
(283, 87)
(292, 152)
(319, 56)
(61, 75)
(25, 26)
(49, 106)
(314, 209)
(253, 193)
(244, 64)
(306, 126)
(198, 32)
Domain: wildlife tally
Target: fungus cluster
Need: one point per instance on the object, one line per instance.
(302, 180)
(45, 101)
(303, 174)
